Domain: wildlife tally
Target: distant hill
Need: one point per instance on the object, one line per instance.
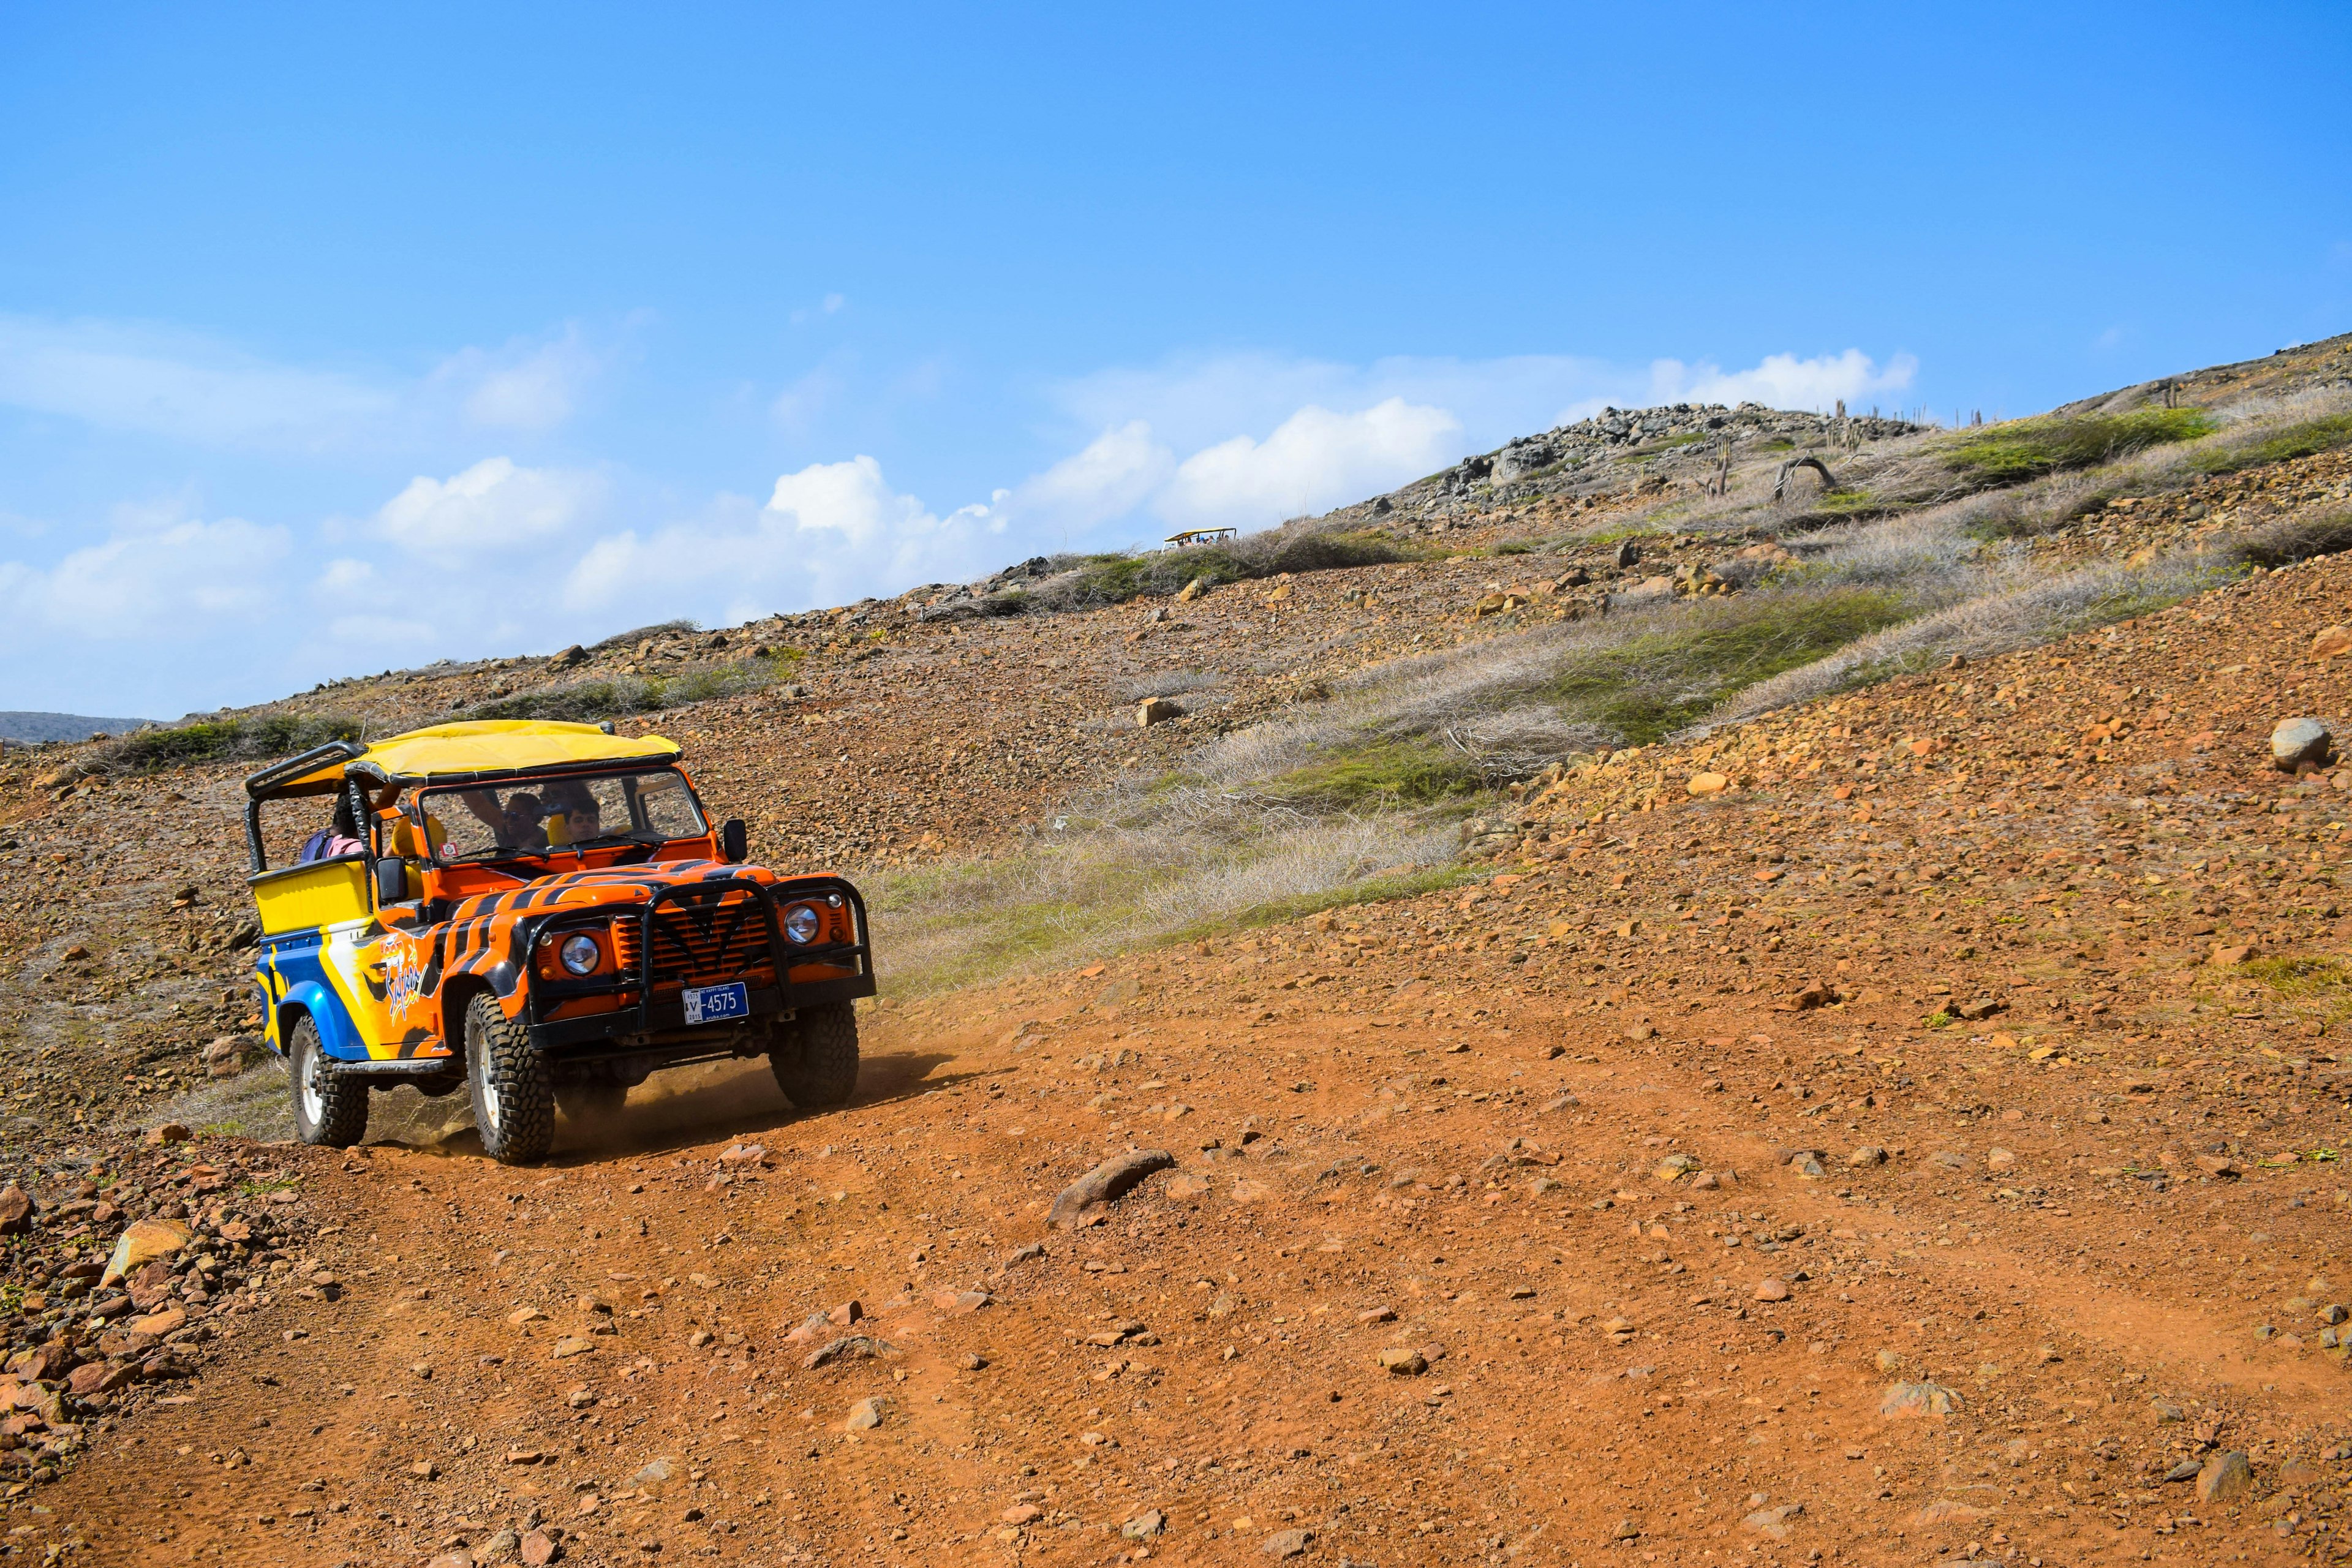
(61, 726)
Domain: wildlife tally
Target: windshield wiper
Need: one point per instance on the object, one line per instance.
(603, 838)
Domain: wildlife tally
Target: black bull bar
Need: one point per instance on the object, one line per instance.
(703, 905)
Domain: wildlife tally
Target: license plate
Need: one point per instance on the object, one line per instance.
(710, 1004)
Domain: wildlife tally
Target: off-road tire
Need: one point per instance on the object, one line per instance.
(815, 1056)
(514, 1099)
(331, 1107)
(591, 1101)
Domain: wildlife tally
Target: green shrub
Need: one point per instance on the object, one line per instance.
(1414, 771)
(1656, 683)
(619, 696)
(2300, 976)
(261, 737)
(1395, 884)
(2306, 439)
(1087, 581)
(2028, 449)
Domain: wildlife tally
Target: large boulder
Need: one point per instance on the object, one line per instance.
(2296, 742)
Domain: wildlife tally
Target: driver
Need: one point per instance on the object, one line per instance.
(575, 817)
(519, 822)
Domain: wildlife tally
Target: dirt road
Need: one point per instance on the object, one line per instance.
(1587, 1363)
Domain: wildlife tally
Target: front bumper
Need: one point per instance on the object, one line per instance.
(647, 1017)
(668, 1015)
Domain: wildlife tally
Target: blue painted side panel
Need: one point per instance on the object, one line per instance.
(336, 1033)
(296, 975)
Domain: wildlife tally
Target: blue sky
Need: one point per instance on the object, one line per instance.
(332, 342)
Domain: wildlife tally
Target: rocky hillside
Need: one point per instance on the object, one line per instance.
(1681, 1022)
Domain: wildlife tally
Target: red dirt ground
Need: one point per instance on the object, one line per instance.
(2108, 1220)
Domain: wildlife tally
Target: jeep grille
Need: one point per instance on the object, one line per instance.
(698, 942)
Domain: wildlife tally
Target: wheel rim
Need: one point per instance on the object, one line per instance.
(490, 1099)
(314, 1098)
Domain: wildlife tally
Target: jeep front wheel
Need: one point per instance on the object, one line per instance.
(815, 1056)
(514, 1100)
(331, 1107)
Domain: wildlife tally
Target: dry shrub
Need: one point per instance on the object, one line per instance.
(1105, 888)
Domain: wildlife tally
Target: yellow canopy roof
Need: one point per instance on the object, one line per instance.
(481, 748)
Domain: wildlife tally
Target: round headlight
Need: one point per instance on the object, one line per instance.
(801, 922)
(579, 955)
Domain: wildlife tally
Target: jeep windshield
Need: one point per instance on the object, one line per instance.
(557, 816)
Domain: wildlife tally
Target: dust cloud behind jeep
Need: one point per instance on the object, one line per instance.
(543, 914)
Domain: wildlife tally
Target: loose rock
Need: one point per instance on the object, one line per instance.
(2225, 1476)
(144, 1241)
(2296, 742)
(1104, 1186)
(1904, 1400)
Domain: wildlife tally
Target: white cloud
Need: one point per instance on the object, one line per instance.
(161, 382)
(187, 387)
(1783, 380)
(492, 507)
(525, 386)
(157, 579)
(1194, 402)
(829, 533)
(1110, 478)
(1314, 460)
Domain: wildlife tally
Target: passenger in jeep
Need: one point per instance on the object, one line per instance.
(573, 817)
(514, 826)
(340, 837)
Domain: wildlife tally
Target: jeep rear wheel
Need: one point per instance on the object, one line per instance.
(514, 1102)
(331, 1107)
(815, 1056)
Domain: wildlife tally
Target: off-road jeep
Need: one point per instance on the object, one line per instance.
(544, 912)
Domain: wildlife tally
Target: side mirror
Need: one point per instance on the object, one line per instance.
(734, 843)
(391, 880)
